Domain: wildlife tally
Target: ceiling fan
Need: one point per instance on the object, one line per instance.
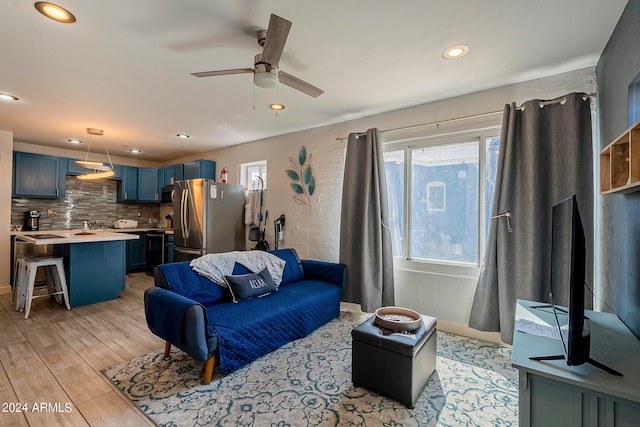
(266, 73)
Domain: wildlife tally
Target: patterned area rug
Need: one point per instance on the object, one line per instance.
(308, 383)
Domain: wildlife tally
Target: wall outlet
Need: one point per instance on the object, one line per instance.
(51, 213)
(139, 213)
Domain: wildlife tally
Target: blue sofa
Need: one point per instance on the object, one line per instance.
(199, 317)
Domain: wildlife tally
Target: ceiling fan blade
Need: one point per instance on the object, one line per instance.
(298, 84)
(223, 72)
(277, 34)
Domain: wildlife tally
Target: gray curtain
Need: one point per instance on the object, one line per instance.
(545, 156)
(365, 239)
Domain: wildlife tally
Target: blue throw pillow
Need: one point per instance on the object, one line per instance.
(292, 269)
(240, 269)
(245, 286)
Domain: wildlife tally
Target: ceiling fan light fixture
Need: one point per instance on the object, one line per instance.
(265, 80)
(276, 106)
(55, 12)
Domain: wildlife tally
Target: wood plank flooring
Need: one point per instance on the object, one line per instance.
(50, 363)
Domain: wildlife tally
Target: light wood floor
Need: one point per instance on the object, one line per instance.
(53, 360)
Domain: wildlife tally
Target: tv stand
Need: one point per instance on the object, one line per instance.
(557, 395)
(589, 361)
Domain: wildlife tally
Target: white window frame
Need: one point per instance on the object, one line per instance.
(244, 173)
(479, 128)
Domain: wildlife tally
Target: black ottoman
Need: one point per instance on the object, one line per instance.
(397, 365)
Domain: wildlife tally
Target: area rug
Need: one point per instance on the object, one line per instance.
(308, 383)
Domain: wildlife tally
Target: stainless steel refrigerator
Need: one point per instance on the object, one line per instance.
(208, 218)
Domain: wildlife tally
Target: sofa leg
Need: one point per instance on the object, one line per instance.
(167, 349)
(208, 370)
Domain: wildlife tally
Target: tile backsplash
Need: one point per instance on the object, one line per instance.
(84, 201)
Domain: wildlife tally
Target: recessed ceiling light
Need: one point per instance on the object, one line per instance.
(276, 107)
(455, 52)
(7, 97)
(182, 135)
(135, 151)
(55, 12)
(75, 141)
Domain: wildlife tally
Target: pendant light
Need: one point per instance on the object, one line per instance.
(100, 170)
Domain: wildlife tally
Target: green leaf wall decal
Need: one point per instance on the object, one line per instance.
(306, 176)
(304, 184)
(297, 188)
(293, 175)
(312, 186)
(302, 156)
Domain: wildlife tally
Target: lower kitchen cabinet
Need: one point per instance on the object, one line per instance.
(136, 253)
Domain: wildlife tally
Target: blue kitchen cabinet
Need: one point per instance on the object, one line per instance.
(37, 175)
(74, 169)
(173, 173)
(148, 185)
(200, 169)
(128, 185)
(136, 253)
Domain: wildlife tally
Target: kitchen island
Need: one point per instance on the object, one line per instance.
(94, 261)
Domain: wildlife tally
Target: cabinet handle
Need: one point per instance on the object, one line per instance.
(57, 192)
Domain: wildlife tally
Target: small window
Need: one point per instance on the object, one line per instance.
(249, 173)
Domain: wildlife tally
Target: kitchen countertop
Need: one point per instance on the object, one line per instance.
(52, 237)
(97, 230)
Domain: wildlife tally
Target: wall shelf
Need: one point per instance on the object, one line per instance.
(620, 163)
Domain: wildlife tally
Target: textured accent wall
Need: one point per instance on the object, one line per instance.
(84, 201)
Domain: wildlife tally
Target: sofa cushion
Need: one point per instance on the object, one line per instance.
(245, 286)
(181, 279)
(293, 268)
(257, 326)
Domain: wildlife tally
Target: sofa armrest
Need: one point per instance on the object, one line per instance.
(180, 321)
(324, 271)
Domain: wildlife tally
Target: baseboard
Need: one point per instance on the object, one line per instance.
(5, 290)
(465, 331)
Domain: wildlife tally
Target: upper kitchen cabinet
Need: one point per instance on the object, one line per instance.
(128, 185)
(172, 173)
(200, 169)
(148, 185)
(37, 175)
(73, 169)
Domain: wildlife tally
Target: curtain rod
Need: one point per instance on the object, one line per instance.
(560, 100)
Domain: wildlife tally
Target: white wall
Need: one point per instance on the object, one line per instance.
(6, 166)
(314, 231)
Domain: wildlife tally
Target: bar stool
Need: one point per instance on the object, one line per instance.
(24, 283)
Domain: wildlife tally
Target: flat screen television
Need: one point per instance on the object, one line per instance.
(568, 268)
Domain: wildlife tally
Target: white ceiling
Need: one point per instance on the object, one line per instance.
(124, 65)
